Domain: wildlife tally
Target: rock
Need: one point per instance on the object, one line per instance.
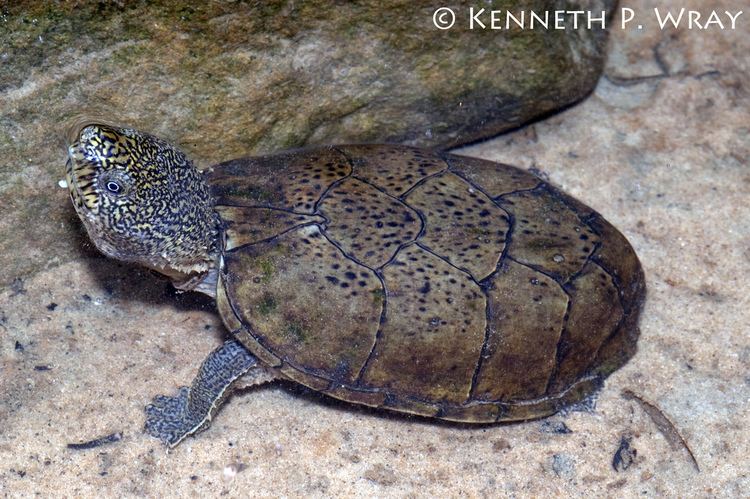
(298, 73)
(562, 465)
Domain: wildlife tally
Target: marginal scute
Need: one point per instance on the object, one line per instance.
(252, 344)
(245, 225)
(472, 412)
(368, 225)
(618, 348)
(413, 406)
(549, 405)
(292, 180)
(429, 344)
(300, 375)
(395, 169)
(369, 398)
(617, 256)
(548, 235)
(594, 314)
(461, 223)
(495, 179)
(303, 300)
(231, 321)
(526, 312)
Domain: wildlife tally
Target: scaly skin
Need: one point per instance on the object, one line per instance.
(142, 201)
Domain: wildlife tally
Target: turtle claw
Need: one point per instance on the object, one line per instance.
(168, 418)
(171, 419)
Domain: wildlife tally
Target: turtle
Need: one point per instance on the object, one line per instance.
(400, 278)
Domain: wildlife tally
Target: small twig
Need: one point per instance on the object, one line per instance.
(663, 424)
(624, 81)
(97, 442)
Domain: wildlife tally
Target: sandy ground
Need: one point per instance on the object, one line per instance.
(660, 149)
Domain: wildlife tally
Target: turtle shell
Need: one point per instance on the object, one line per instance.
(421, 282)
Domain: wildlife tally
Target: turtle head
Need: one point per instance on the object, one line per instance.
(141, 200)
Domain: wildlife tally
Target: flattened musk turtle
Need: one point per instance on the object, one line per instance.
(400, 278)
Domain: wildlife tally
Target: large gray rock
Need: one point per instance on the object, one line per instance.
(225, 79)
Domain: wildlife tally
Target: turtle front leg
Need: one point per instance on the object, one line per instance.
(171, 419)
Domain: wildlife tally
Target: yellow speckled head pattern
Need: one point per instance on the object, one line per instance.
(142, 200)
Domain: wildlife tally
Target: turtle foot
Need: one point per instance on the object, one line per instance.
(168, 418)
(171, 419)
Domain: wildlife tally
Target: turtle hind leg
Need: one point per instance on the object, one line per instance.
(171, 419)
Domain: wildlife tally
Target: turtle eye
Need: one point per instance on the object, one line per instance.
(115, 183)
